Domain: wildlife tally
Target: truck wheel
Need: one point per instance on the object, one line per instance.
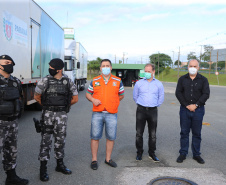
(78, 86)
(83, 85)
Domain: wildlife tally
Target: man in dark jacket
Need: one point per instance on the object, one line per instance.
(192, 92)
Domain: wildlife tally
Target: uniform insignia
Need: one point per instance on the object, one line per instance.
(14, 84)
(64, 82)
(114, 83)
(97, 84)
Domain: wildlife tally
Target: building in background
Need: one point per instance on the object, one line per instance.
(129, 73)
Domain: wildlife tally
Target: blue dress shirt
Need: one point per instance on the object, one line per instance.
(148, 94)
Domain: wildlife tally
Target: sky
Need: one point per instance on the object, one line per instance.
(140, 28)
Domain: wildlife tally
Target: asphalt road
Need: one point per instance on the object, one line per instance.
(78, 155)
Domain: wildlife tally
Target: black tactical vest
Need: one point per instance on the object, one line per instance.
(9, 98)
(57, 93)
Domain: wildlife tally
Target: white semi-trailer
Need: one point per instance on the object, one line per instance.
(75, 59)
(32, 38)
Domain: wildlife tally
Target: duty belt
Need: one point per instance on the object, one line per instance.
(4, 118)
(147, 108)
(54, 108)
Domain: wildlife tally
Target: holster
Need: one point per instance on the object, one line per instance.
(38, 125)
(41, 127)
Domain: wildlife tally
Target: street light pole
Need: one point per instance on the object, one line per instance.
(178, 64)
(173, 59)
(123, 56)
(158, 65)
(200, 53)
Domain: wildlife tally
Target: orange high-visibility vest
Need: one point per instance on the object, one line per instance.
(108, 94)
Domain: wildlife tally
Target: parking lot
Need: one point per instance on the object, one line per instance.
(129, 171)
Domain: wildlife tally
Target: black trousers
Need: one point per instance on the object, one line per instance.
(143, 115)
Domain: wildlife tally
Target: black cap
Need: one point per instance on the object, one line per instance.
(7, 57)
(56, 63)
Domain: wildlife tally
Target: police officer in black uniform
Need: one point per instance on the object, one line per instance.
(56, 92)
(10, 111)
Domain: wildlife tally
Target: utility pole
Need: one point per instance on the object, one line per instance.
(178, 64)
(216, 68)
(225, 65)
(141, 60)
(123, 56)
(115, 59)
(200, 53)
(158, 65)
(210, 63)
(217, 60)
(173, 59)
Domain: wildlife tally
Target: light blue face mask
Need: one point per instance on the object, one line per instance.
(106, 70)
(147, 75)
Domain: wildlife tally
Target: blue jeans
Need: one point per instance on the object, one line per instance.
(99, 119)
(191, 121)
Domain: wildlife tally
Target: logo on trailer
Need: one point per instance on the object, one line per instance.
(8, 28)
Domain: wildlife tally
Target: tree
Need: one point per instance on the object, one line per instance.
(120, 62)
(167, 70)
(206, 55)
(204, 64)
(191, 55)
(176, 63)
(164, 61)
(220, 65)
(94, 64)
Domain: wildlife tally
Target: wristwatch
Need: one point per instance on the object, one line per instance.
(196, 105)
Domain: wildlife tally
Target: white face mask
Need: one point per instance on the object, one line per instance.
(192, 70)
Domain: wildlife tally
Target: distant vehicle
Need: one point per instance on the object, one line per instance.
(134, 82)
(75, 59)
(32, 38)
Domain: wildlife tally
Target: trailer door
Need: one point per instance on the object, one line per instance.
(35, 50)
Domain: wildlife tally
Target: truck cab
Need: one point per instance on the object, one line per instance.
(75, 59)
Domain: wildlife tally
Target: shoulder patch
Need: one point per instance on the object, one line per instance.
(116, 79)
(96, 79)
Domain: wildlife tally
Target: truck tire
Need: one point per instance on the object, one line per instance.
(82, 85)
(78, 85)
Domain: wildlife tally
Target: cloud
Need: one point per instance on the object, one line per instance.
(154, 16)
(82, 21)
(165, 2)
(213, 12)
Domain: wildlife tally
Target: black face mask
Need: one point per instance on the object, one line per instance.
(52, 72)
(8, 68)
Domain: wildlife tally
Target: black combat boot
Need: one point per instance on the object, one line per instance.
(62, 168)
(43, 171)
(13, 179)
